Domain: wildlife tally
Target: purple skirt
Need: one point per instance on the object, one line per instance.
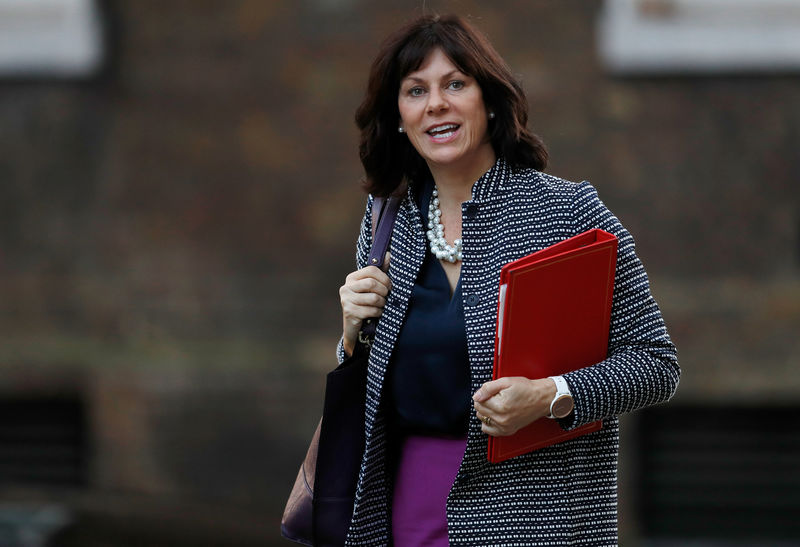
(425, 474)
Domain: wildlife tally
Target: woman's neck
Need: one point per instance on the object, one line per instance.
(455, 182)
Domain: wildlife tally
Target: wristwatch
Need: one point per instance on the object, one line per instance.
(562, 404)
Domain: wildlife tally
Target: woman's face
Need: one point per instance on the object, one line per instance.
(442, 112)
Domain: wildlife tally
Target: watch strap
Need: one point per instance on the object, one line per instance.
(562, 389)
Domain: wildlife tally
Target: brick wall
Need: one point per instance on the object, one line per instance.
(173, 233)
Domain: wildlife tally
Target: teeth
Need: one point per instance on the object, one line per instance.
(449, 127)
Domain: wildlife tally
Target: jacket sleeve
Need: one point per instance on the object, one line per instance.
(363, 246)
(641, 368)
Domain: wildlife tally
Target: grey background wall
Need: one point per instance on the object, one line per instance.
(173, 234)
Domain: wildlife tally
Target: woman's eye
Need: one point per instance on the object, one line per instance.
(416, 91)
(456, 85)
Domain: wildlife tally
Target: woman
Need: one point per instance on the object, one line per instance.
(444, 116)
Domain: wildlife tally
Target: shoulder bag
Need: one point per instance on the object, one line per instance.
(320, 506)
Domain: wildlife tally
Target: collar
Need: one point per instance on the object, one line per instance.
(483, 189)
(490, 182)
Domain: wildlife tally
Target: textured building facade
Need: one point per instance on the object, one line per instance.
(173, 234)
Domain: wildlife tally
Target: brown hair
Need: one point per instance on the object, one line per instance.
(387, 156)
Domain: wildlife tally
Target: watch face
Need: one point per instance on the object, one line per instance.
(563, 406)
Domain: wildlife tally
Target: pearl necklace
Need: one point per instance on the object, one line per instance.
(439, 246)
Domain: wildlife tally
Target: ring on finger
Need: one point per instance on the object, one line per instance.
(486, 419)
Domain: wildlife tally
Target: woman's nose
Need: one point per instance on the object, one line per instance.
(436, 102)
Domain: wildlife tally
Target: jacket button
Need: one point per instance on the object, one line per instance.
(471, 210)
(472, 299)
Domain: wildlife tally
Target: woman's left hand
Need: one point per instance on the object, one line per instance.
(506, 405)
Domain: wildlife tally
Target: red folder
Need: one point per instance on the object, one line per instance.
(553, 317)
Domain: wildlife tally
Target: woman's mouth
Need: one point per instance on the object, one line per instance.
(444, 131)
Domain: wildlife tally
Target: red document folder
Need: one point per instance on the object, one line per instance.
(553, 317)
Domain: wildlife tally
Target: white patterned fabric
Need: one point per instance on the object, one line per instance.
(565, 494)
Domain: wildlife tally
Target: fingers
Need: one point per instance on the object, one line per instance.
(486, 422)
(482, 411)
(491, 426)
(367, 285)
(362, 296)
(368, 278)
(498, 404)
(495, 410)
(361, 304)
(490, 389)
(508, 404)
(366, 281)
(489, 404)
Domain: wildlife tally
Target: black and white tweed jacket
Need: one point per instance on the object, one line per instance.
(561, 495)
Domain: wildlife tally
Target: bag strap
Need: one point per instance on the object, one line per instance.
(384, 213)
(382, 226)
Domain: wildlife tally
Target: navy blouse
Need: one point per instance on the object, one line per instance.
(429, 379)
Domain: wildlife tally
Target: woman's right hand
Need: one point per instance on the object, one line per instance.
(363, 295)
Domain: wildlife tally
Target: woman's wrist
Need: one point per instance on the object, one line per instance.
(349, 336)
(348, 345)
(545, 392)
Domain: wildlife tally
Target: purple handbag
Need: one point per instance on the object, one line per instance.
(320, 506)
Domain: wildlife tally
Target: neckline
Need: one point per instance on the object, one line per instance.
(443, 274)
(424, 197)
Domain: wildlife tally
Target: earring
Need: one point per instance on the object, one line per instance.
(401, 130)
(491, 115)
